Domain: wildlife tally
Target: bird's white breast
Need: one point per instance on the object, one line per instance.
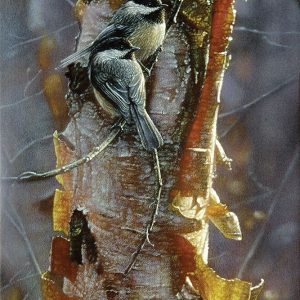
(149, 37)
(105, 104)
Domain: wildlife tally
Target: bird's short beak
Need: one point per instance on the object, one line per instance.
(163, 6)
(133, 48)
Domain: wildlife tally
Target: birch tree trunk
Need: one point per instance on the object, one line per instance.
(105, 205)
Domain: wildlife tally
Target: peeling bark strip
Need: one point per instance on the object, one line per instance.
(200, 143)
(116, 190)
(193, 195)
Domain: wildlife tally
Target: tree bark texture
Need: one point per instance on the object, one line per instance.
(105, 205)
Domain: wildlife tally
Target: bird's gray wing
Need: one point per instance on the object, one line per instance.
(114, 90)
(112, 30)
(137, 92)
(120, 93)
(74, 57)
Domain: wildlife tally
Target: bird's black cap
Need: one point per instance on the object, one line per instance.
(149, 3)
(117, 43)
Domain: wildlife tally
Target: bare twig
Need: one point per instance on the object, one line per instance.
(70, 3)
(15, 280)
(276, 44)
(31, 289)
(255, 180)
(266, 35)
(29, 145)
(150, 225)
(18, 224)
(261, 32)
(22, 100)
(277, 196)
(29, 175)
(231, 126)
(174, 14)
(31, 81)
(245, 108)
(38, 38)
(260, 98)
(261, 197)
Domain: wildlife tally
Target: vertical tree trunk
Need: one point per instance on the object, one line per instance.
(105, 205)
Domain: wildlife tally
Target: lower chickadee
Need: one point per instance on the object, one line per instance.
(119, 86)
(142, 22)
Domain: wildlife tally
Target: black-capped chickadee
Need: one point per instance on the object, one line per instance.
(119, 86)
(142, 22)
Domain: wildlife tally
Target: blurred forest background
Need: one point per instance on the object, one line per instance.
(258, 127)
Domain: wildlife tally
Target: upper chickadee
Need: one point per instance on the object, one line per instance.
(119, 86)
(142, 22)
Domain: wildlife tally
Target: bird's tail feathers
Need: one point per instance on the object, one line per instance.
(149, 134)
(74, 57)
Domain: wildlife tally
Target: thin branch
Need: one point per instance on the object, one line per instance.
(276, 44)
(70, 3)
(224, 253)
(253, 177)
(265, 35)
(22, 100)
(29, 145)
(151, 223)
(277, 196)
(261, 32)
(174, 14)
(43, 36)
(132, 230)
(231, 126)
(31, 81)
(261, 197)
(30, 291)
(243, 111)
(244, 107)
(30, 175)
(21, 230)
(14, 35)
(13, 280)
